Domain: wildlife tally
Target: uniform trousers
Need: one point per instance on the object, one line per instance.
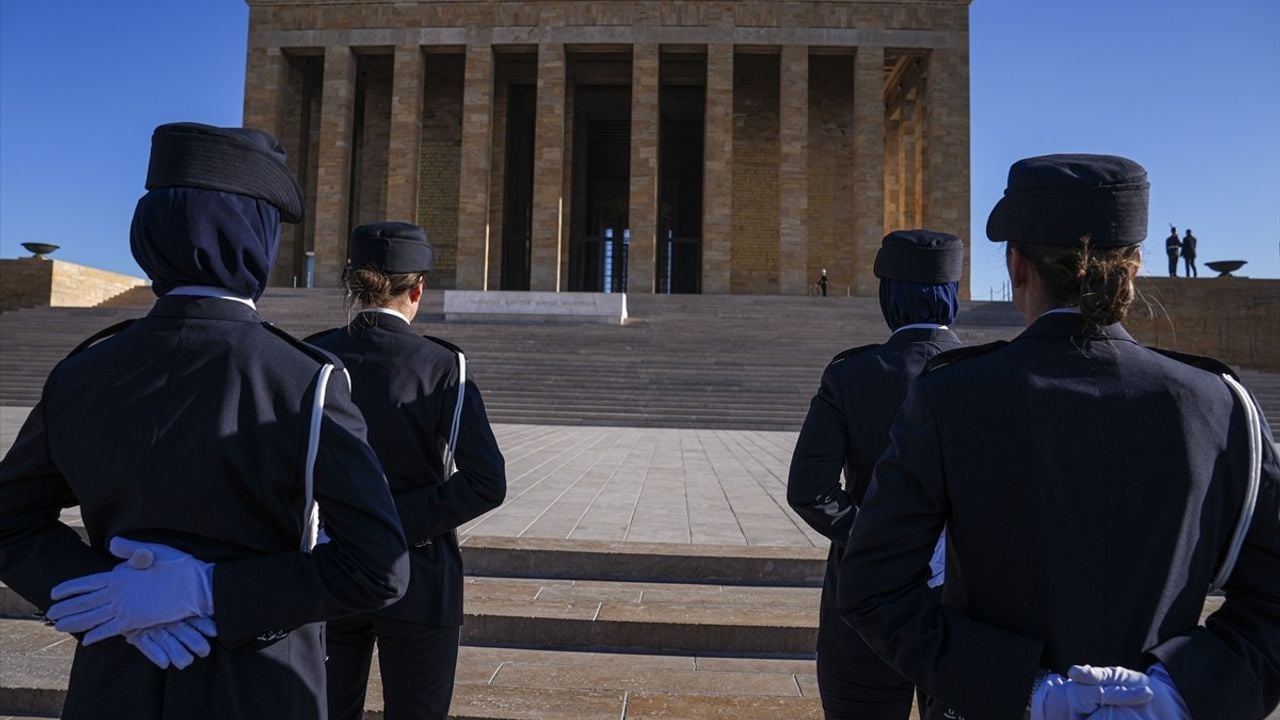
(855, 684)
(417, 663)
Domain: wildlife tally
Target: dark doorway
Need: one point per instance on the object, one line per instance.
(680, 190)
(517, 207)
(599, 234)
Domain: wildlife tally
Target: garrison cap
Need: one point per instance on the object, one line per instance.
(392, 247)
(920, 256)
(1062, 199)
(243, 161)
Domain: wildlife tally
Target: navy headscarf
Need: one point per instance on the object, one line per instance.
(189, 236)
(904, 302)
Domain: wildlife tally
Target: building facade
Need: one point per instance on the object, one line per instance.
(619, 145)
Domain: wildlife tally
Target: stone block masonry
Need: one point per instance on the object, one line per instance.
(440, 162)
(811, 146)
(754, 255)
(39, 282)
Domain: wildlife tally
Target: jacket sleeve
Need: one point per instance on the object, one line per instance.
(1230, 667)
(364, 567)
(37, 551)
(977, 669)
(479, 485)
(814, 490)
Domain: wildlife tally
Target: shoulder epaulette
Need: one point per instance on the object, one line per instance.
(321, 356)
(851, 352)
(444, 343)
(1217, 367)
(944, 359)
(102, 334)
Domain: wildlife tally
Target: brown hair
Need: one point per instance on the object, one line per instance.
(370, 287)
(1099, 281)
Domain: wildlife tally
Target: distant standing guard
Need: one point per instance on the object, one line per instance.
(822, 282)
(1093, 491)
(425, 415)
(1171, 247)
(193, 440)
(1189, 254)
(847, 429)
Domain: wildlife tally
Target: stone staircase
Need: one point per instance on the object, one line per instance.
(727, 362)
(569, 645)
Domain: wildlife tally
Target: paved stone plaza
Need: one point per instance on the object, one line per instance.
(643, 485)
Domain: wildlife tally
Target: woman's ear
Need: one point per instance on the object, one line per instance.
(1020, 268)
(415, 292)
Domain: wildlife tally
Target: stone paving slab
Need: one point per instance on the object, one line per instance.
(628, 485)
(497, 682)
(649, 486)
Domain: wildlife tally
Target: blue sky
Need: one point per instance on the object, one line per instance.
(1188, 88)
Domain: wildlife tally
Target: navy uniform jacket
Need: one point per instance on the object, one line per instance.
(189, 428)
(407, 387)
(847, 428)
(1089, 495)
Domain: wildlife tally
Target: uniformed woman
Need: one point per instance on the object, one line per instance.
(194, 441)
(1092, 490)
(847, 429)
(425, 416)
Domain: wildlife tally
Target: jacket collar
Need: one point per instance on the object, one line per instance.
(913, 335)
(1072, 325)
(205, 308)
(364, 320)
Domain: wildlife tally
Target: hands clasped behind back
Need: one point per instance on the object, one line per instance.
(1109, 693)
(160, 599)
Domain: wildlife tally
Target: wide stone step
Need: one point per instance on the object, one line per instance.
(557, 559)
(503, 683)
(646, 562)
(587, 614)
(731, 362)
(709, 619)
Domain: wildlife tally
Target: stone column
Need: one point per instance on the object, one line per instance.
(473, 180)
(717, 173)
(333, 175)
(868, 166)
(266, 85)
(917, 159)
(548, 170)
(643, 210)
(946, 153)
(405, 145)
(265, 81)
(793, 170)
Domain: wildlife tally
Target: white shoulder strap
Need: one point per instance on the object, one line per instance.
(457, 416)
(1253, 425)
(311, 510)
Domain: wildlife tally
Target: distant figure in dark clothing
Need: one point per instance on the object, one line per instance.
(1189, 253)
(822, 282)
(1171, 248)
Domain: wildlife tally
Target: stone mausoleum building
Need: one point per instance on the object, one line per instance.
(668, 146)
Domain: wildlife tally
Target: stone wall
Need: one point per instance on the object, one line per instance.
(754, 245)
(369, 181)
(34, 282)
(629, 15)
(1235, 320)
(440, 163)
(831, 130)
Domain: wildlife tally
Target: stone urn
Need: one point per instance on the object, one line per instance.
(39, 250)
(1224, 268)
